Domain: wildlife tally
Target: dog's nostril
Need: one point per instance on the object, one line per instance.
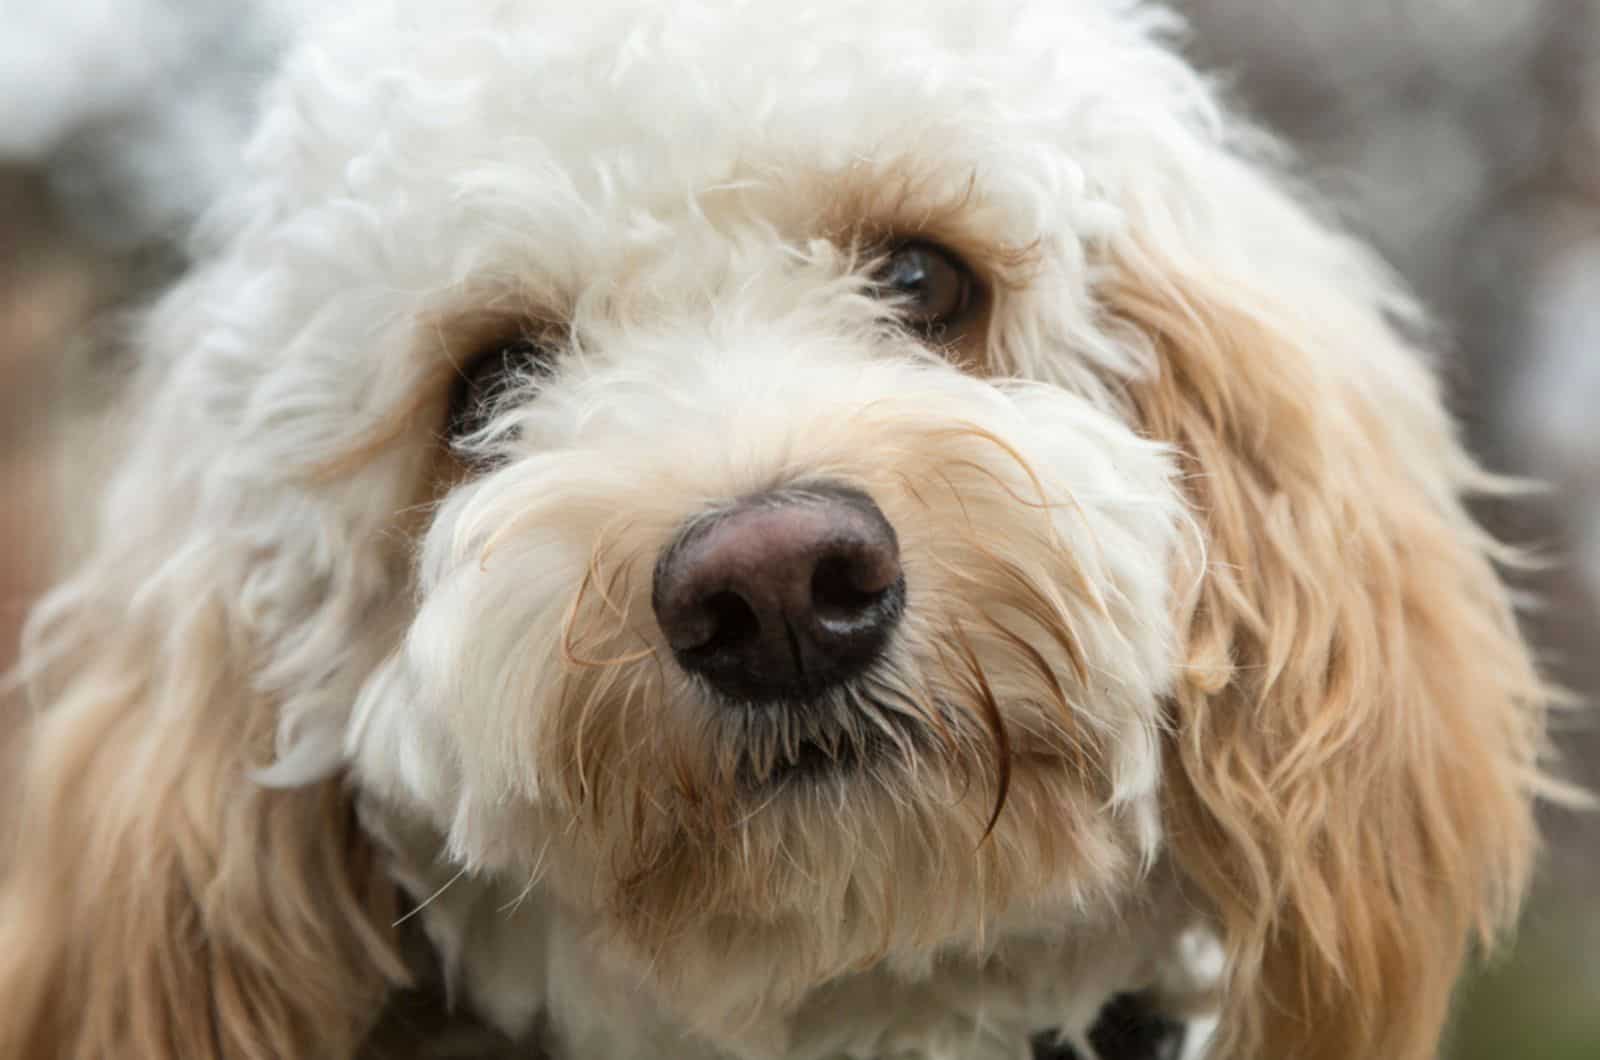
(843, 587)
(727, 622)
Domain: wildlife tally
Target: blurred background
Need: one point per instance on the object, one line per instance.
(1462, 136)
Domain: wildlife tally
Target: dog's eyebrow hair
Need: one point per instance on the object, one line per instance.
(447, 340)
(426, 391)
(880, 202)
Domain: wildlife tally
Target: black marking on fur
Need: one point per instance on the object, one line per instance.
(1130, 1027)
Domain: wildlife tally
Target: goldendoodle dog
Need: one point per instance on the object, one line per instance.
(754, 530)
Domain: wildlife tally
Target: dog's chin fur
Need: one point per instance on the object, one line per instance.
(1200, 650)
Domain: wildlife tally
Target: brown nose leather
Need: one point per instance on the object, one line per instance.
(782, 596)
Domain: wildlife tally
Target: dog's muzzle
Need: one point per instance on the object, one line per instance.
(782, 596)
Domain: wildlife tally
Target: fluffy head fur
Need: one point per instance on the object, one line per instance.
(1199, 641)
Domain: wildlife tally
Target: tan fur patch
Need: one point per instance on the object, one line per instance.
(161, 904)
(1355, 741)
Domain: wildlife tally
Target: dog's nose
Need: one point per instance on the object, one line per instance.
(783, 596)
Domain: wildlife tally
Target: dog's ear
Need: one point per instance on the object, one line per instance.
(157, 902)
(1356, 723)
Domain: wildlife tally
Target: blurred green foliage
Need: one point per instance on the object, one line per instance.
(1540, 1000)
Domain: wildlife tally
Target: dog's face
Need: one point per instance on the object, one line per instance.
(841, 487)
(680, 320)
(792, 576)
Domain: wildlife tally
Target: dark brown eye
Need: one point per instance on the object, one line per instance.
(488, 376)
(932, 287)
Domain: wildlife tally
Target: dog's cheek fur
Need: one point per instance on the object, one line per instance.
(1356, 732)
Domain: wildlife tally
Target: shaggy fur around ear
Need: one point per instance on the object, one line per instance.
(156, 900)
(1357, 724)
(160, 904)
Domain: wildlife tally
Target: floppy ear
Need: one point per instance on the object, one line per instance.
(1356, 726)
(157, 902)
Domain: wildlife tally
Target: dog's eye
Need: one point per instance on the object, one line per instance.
(488, 376)
(933, 288)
